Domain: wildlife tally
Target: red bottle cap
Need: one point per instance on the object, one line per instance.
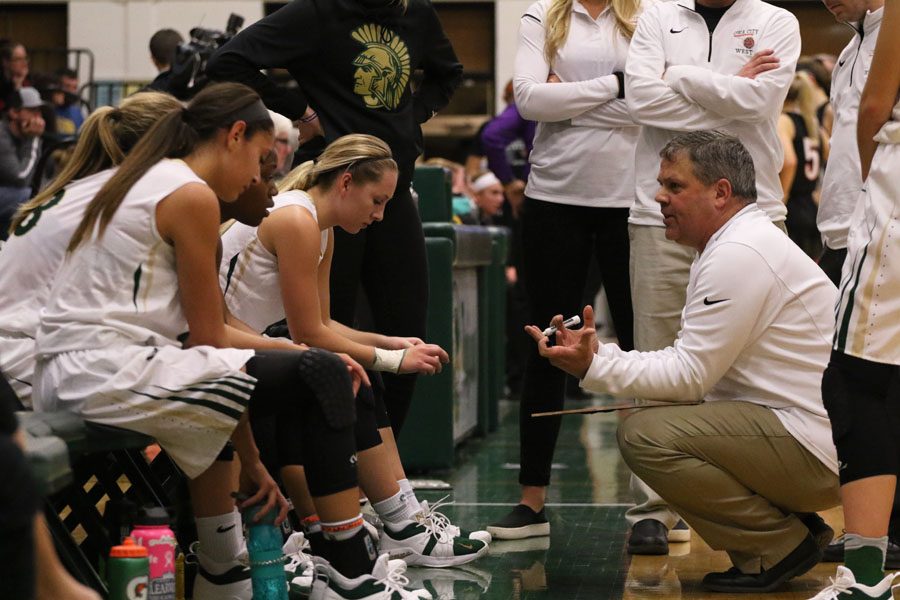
(128, 549)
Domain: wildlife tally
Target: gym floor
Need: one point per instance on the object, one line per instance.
(584, 557)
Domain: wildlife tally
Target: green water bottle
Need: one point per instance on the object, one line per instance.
(128, 571)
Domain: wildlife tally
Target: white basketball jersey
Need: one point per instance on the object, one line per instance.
(121, 288)
(868, 314)
(35, 250)
(249, 273)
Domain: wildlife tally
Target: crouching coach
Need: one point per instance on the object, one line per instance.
(747, 466)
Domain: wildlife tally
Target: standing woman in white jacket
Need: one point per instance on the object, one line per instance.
(569, 78)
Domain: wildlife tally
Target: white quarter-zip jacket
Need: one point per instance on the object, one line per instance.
(679, 77)
(584, 142)
(756, 327)
(842, 182)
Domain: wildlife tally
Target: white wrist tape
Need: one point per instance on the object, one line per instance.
(388, 360)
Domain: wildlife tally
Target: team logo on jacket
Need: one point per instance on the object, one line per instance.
(748, 41)
(382, 68)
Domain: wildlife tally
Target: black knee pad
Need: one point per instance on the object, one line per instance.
(863, 403)
(326, 375)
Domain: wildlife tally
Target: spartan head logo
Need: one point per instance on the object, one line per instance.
(382, 68)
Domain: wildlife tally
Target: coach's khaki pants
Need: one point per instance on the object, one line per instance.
(733, 472)
(659, 270)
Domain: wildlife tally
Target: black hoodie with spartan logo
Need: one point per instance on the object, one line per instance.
(352, 60)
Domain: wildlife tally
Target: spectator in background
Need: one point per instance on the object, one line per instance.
(163, 46)
(805, 149)
(487, 200)
(20, 148)
(287, 140)
(507, 140)
(66, 101)
(14, 65)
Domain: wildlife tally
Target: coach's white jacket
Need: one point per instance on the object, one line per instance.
(842, 181)
(756, 327)
(679, 77)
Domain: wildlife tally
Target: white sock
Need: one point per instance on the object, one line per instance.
(394, 509)
(221, 540)
(409, 495)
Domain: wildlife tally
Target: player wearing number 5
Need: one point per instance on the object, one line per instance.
(805, 150)
(42, 227)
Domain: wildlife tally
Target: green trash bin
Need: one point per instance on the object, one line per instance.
(445, 408)
(433, 185)
(493, 313)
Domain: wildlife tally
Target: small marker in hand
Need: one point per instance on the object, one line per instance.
(568, 324)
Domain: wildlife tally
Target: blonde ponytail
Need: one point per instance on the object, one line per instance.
(364, 156)
(105, 138)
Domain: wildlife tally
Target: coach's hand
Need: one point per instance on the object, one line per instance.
(574, 349)
(762, 61)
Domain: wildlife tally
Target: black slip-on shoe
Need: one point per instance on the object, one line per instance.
(648, 537)
(520, 523)
(801, 559)
(820, 531)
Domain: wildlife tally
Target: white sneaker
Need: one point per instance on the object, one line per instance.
(430, 512)
(231, 584)
(299, 568)
(844, 587)
(229, 581)
(428, 542)
(387, 582)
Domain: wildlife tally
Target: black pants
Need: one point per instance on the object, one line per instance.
(558, 241)
(302, 413)
(388, 259)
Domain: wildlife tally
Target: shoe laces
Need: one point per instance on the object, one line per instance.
(437, 522)
(396, 580)
(837, 586)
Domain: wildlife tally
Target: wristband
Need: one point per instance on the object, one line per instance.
(309, 118)
(620, 77)
(388, 360)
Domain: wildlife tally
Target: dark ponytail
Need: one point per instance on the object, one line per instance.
(175, 135)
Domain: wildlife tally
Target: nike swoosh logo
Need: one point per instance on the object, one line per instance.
(221, 529)
(841, 63)
(709, 302)
(673, 30)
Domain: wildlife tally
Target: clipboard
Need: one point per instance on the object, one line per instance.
(605, 408)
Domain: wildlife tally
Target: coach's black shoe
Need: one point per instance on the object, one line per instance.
(803, 558)
(520, 523)
(649, 537)
(835, 553)
(820, 531)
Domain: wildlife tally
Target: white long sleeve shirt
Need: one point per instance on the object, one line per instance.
(842, 182)
(756, 327)
(679, 77)
(585, 137)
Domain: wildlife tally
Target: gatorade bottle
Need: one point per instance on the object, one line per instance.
(127, 571)
(266, 557)
(151, 530)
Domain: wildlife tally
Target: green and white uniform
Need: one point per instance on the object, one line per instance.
(109, 344)
(868, 313)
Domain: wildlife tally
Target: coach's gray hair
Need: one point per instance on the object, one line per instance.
(715, 155)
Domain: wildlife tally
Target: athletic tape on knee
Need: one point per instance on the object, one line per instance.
(326, 375)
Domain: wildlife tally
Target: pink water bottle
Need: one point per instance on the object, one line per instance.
(152, 531)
